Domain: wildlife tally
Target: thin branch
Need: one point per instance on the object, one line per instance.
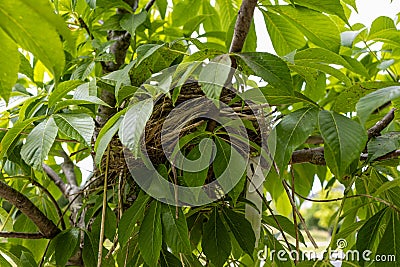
(68, 168)
(22, 235)
(270, 211)
(55, 178)
(21, 202)
(294, 213)
(149, 5)
(85, 26)
(310, 237)
(103, 212)
(242, 26)
(53, 200)
(390, 205)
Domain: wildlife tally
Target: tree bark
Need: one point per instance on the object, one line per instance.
(21, 202)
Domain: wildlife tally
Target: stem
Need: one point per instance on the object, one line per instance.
(103, 214)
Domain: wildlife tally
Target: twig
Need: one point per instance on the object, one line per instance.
(149, 5)
(390, 205)
(310, 237)
(103, 214)
(280, 228)
(85, 26)
(294, 214)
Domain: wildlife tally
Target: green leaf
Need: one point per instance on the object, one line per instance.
(78, 126)
(88, 92)
(150, 235)
(125, 92)
(271, 68)
(380, 25)
(228, 162)
(130, 218)
(386, 186)
(216, 243)
(293, 131)
(324, 33)
(162, 7)
(134, 123)
(130, 22)
(91, 3)
(169, 260)
(106, 134)
(39, 142)
(9, 71)
(284, 36)
(34, 30)
(368, 232)
(381, 145)
(144, 51)
(175, 230)
(13, 133)
(120, 77)
(374, 100)
(348, 98)
(214, 76)
(25, 67)
(65, 244)
(241, 229)
(390, 241)
(197, 178)
(313, 57)
(61, 90)
(327, 6)
(344, 140)
(227, 12)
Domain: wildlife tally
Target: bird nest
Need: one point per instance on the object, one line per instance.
(160, 125)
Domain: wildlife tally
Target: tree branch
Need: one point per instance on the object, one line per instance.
(22, 235)
(55, 178)
(149, 5)
(242, 26)
(68, 168)
(380, 125)
(316, 155)
(19, 200)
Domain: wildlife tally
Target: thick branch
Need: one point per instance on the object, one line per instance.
(312, 155)
(242, 26)
(45, 225)
(380, 125)
(22, 235)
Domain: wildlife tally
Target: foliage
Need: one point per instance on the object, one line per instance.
(333, 89)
